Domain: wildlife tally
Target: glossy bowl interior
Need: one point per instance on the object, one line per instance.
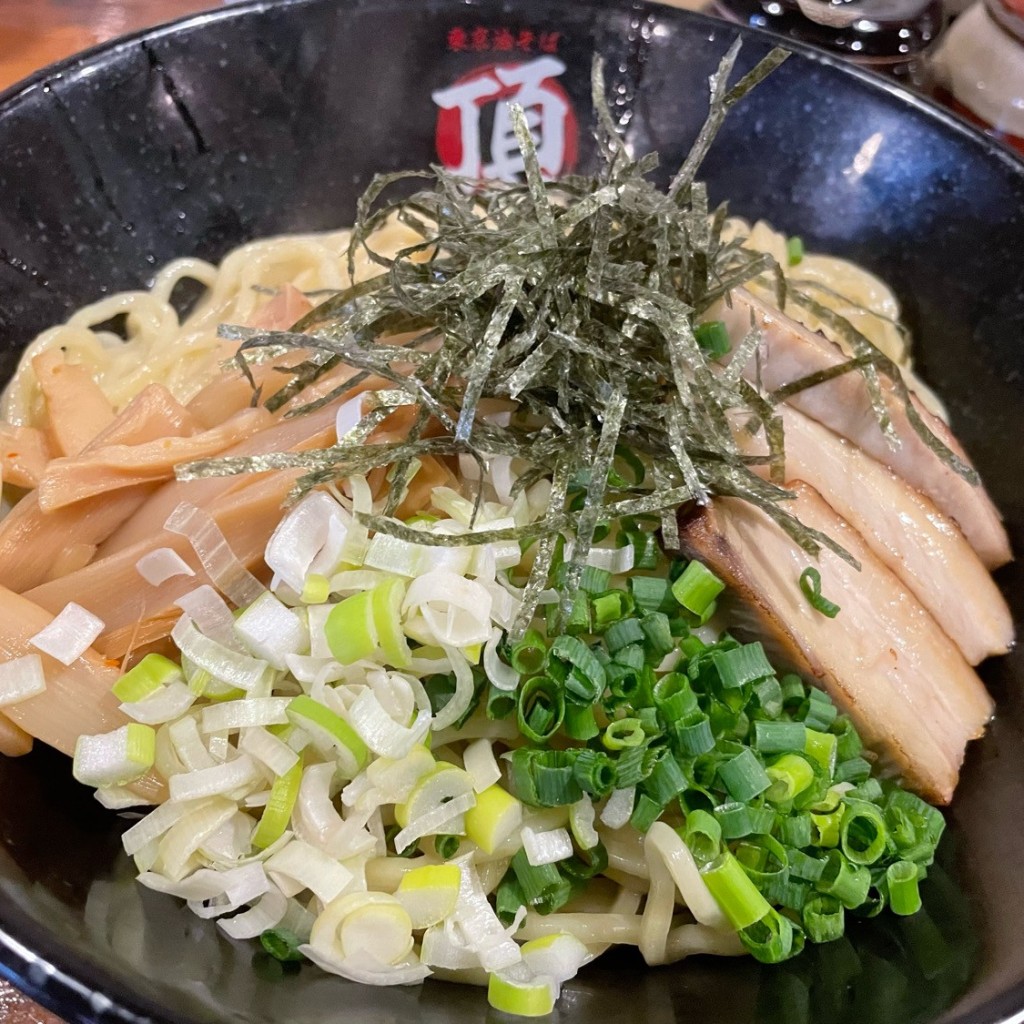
(271, 117)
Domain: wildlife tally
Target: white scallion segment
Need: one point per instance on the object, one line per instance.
(115, 758)
(380, 732)
(244, 714)
(188, 744)
(154, 825)
(268, 912)
(429, 894)
(367, 970)
(374, 923)
(559, 956)
(518, 991)
(242, 885)
(303, 534)
(271, 630)
(161, 565)
(478, 924)
(454, 611)
(479, 760)
(348, 417)
(21, 678)
(581, 822)
(167, 704)
(546, 847)
(228, 574)
(211, 615)
(228, 666)
(503, 676)
(221, 779)
(119, 798)
(458, 703)
(444, 819)
(70, 634)
(300, 866)
(269, 750)
(619, 808)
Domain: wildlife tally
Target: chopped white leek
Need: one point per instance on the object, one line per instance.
(581, 822)
(270, 631)
(221, 662)
(221, 779)
(69, 635)
(162, 564)
(115, 758)
(244, 714)
(228, 574)
(21, 678)
(560, 956)
(301, 535)
(380, 732)
(299, 866)
(168, 703)
(269, 750)
(619, 808)
(546, 847)
(479, 760)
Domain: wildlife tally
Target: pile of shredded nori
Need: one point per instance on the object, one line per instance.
(578, 299)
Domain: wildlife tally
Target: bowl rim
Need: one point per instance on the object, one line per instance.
(77, 990)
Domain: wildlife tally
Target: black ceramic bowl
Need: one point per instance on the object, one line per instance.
(271, 117)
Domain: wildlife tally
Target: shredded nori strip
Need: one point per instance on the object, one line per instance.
(577, 299)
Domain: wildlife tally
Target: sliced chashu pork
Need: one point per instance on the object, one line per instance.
(903, 528)
(788, 351)
(883, 658)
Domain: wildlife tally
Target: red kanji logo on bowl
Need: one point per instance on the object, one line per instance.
(475, 136)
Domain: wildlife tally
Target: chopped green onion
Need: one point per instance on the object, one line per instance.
(651, 593)
(625, 732)
(854, 769)
(580, 723)
(794, 250)
(744, 776)
(713, 338)
(646, 811)
(735, 893)
(797, 830)
(823, 918)
(623, 633)
(803, 865)
(694, 736)
(773, 939)
(543, 885)
(793, 689)
(608, 608)
(594, 772)
(742, 665)
(697, 588)
(282, 944)
(508, 898)
(847, 882)
(500, 703)
(863, 834)
(540, 708)
(819, 712)
(703, 835)
(902, 881)
(791, 774)
(658, 640)
(594, 580)
(529, 655)
(779, 737)
(666, 781)
(821, 747)
(739, 820)
(583, 866)
(446, 847)
(586, 682)
(810, 584)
